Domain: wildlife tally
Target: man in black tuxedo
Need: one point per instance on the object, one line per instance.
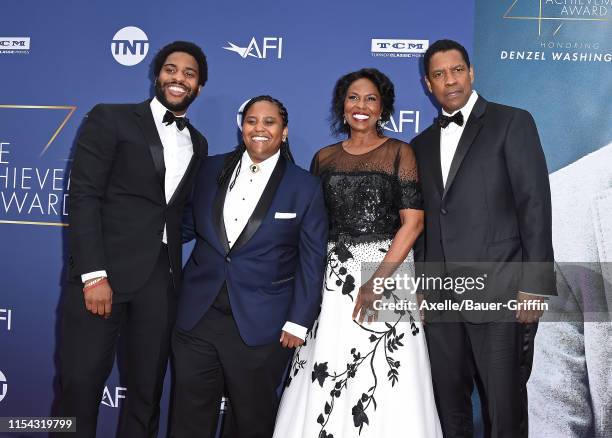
(487, 211)
(132, 174)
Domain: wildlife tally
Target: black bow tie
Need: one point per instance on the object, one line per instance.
(170, 118)
(444, 121)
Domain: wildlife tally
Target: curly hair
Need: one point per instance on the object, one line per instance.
(182, 46)
(385, 88)
(236, 156)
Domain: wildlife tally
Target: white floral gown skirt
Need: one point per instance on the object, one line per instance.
(351, 380)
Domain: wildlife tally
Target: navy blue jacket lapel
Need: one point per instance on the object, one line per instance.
(263, 205)
(217, 214)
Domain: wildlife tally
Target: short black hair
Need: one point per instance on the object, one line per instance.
(444, 46)
(383, 84)
(266, 98)
(182, 46)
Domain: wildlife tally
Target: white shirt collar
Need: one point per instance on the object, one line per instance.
(467, 108)
(265, 167)
(159, 110)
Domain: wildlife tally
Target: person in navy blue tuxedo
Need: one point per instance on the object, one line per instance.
(252, 286)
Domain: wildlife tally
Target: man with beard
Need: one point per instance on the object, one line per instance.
(131, 177)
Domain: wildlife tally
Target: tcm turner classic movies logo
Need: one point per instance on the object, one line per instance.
(14, 45)
(397, 48)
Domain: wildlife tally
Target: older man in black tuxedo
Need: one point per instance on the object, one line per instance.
(487, 210)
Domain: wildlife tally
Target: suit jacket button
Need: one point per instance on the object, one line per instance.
(227, 259)
(443, 211)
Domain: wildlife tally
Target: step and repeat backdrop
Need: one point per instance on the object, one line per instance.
(59, 58)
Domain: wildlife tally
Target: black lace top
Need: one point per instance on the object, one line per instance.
(364, 193)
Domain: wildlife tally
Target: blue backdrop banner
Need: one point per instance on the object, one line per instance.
(59, 58)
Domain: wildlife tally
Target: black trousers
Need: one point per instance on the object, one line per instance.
(499, 355)
(212, 359)
(87, 353)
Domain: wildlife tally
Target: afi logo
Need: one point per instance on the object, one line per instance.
(405, 117)
(5, 315)
(130, 46)
(109, 400)
(269, 44)
(3, 386)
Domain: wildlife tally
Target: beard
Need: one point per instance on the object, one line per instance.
(174, 107)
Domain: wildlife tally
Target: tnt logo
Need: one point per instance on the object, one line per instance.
(112, 400)
(409, 117)
(3, 386)
(130, 46)
(267, 48)
(6, 315)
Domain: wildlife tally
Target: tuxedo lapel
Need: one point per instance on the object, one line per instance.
(263, 205)
(147, 125)
(472, 128)
(217, 214)
(434, 152)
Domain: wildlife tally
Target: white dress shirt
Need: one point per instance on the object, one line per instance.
(240, 202)
(178, 150)
(449, 136)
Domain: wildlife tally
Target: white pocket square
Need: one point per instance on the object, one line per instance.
(279, 215)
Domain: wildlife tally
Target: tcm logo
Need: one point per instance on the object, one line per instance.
(130, 46)
(6, 317)
(403, 118)
(112, 400)
(399, 48)
(11, 45)
(269, 47)
(3, 386)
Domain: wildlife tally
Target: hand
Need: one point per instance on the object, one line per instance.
(364, 305)
(99, 299)
(532, 309)
(288, 340)
(420, 298)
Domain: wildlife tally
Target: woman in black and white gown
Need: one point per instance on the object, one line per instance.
(364, 372)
